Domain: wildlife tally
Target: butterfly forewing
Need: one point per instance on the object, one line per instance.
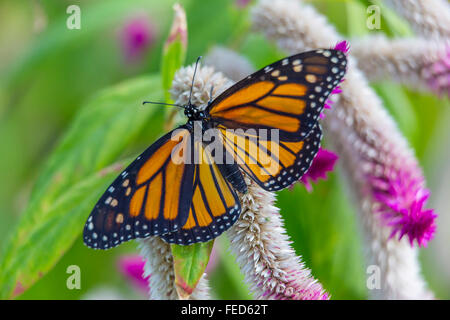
(288, 95)
(152, 196)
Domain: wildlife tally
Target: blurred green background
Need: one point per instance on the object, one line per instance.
(70, 106)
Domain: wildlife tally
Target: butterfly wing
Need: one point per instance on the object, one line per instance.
(152, 196)
(288, 95)
(215, 205)
(185, 202)
(271, 162)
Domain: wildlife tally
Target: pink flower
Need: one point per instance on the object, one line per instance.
(136, 36)
(367, 138)
(342, 46)
(322, 163)
(132, 267)
(402, 200)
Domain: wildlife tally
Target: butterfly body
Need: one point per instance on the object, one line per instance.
(184, 188)
(230, 171)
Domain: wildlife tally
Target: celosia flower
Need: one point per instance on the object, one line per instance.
(401, 195)
(231, 64)
(367, 140)
(205, 79)
(136, 36)
(322, 163)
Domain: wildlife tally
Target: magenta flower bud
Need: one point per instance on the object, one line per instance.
(136, 36)
(323, 162)
(242, 3)
(132, 267)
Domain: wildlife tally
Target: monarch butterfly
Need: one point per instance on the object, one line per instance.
(185, 202)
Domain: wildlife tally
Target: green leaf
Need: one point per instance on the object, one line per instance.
(73, 179)
(227, 277)
(356, 18)
(190, 263)
(38, 248)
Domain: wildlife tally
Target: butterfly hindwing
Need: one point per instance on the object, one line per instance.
(215, 205)
(288, 95)
(273, 163)
(152, 196)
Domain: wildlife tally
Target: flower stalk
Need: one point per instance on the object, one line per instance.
(428, 18)
(419, 63)
(263, 252)
(174, 50)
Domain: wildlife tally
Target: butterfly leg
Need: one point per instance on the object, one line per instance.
(210, 96)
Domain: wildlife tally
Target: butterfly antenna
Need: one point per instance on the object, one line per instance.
(166, 104)
(193, 78)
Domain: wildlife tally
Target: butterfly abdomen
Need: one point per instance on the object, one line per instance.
(234, 176)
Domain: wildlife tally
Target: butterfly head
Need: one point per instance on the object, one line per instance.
(193, 113)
